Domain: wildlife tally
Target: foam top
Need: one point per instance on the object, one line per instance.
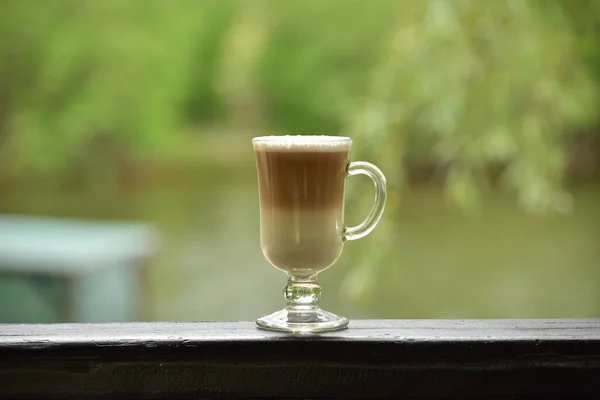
(302, 143)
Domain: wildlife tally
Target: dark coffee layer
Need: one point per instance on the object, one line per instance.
(301, 180)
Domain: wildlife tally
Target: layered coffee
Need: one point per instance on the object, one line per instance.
(301, 187)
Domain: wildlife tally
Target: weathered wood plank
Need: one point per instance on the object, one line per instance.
(371, 360)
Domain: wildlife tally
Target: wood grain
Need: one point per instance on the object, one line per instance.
(371, 360)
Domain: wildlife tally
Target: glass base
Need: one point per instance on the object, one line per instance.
(302, 321)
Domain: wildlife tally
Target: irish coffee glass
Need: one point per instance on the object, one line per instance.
(302, 182)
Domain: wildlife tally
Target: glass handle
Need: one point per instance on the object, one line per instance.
(367, 226)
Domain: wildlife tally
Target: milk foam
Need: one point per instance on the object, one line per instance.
(302, 143)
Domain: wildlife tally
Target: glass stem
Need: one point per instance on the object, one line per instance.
(302, 296)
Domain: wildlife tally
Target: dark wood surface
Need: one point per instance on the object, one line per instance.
(371, 360)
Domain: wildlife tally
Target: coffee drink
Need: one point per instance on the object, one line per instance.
(302, 188)
(302, 184)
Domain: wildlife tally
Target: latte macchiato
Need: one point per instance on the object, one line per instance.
(302, 184)
(302, 188)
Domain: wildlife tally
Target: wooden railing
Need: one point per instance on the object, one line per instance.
(371, 360)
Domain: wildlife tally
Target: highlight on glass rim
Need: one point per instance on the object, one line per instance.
(129, 188)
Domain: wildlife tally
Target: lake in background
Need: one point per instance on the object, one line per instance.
(503, 263)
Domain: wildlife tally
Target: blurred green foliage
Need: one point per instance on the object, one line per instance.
(81, 77)
(478, 84)
(464, 84)
(318, 61)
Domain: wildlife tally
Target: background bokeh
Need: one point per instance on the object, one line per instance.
(483, 115)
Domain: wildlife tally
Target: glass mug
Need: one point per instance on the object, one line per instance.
(302, 185)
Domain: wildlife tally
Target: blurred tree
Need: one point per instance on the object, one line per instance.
(202, 99)
(78, 78)
(465, 84)
(470, 85)
(316, 64)
(479, 84)
(583, 16)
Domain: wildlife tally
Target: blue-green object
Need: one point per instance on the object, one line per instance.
(63, 270)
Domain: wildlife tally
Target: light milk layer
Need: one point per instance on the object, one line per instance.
(301, 242)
